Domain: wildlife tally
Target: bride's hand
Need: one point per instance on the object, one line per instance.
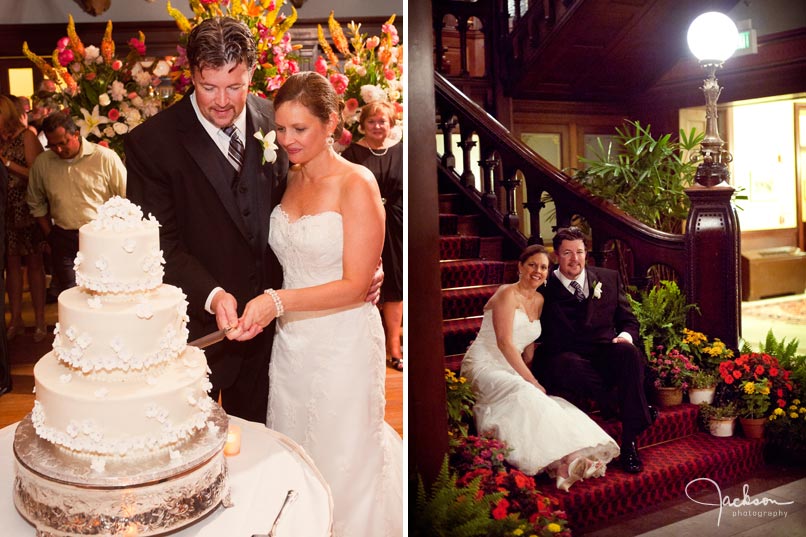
(537, 385)
(258, 313)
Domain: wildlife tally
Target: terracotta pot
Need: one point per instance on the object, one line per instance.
(753, 427)
(669, 396)
(721, 426)
(701, 395)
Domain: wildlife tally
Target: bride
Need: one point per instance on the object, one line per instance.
(328, 360)
(545, 433)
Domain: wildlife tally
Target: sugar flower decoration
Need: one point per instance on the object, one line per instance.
(269, 147)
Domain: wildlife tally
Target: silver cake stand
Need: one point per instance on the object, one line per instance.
(63, 496)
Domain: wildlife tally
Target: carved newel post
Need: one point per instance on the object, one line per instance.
(713, 241)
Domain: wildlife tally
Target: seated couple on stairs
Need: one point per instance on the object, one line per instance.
(586, 331)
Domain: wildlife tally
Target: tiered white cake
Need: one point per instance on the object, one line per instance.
(123, 437)
(120, 381)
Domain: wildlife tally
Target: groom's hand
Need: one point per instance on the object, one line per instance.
(374, 291)
(225, 308)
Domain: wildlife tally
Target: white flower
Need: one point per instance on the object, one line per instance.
(597, 290)
(163, 68)
(91, 54)
(91, 121)
(370, 93)
(269, 147)
(118, 91)
(108, 131)
(104, 100)
(120, 128)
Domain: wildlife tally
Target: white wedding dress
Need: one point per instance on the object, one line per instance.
(327, 384)
(540, 429)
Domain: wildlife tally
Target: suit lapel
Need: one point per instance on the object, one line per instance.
(215, 167)
(255, 121)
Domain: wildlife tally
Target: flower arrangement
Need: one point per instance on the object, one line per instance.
(705, 354)
(470, 454)
(108, 96)
(275, 60)
(460, 401)
(672, 368)
(786, 430)
(370, 69)
(755, 398)
(755, 367)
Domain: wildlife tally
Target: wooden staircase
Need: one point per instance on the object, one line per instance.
(474, 261)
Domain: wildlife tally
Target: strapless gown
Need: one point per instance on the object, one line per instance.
(327, 382)
(540, 429)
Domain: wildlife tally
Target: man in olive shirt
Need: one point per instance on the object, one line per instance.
(66, 187)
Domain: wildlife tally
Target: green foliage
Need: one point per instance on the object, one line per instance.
(459, 401)
(703, 379)
(450, 510)
(709, 412)
(661, 314)
(644, 176)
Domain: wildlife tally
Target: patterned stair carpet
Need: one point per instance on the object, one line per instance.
(674, 450)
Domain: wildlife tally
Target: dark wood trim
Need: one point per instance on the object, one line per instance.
(427, 426)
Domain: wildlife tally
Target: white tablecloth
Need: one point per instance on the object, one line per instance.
(268, 466)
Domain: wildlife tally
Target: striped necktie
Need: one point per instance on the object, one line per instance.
(578, 294)
(236, 148)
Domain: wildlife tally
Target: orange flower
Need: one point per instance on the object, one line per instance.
(75, 42)
(108, 44)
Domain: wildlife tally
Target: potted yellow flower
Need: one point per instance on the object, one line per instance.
(755, 403)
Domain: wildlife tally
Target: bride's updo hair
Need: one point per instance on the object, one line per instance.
(531, 250)
(315, 93)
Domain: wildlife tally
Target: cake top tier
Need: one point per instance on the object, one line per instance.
(119, 251)
(120, 215)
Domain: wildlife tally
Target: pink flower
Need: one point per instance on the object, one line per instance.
(62, 43)
(293, 67)
(321, 66)
(113, 114)
(346, 138)
(66, 57)
(138, 45)
(116, 65)
(373, 42)
(89, 76)
(388, 74)
(339, 83)
(351, 105)
(104, 143)
(392, 31)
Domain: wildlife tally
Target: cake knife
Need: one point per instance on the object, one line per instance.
(209, 339)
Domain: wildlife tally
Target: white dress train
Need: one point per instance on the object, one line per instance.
(540, 429)
(327, 385)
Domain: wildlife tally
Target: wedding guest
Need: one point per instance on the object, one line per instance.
(545, 433)
(68, 184)
(327, 367)
(384, 158)
(588, 345)
(19, 148)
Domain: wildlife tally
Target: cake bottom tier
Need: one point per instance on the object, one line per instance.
(61, 497)
(137, 418)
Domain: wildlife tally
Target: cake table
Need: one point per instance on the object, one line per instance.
(269, 464)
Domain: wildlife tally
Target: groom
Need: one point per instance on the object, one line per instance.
(213, 198)
(588, 343)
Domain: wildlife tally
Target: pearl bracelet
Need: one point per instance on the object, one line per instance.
(278, 304)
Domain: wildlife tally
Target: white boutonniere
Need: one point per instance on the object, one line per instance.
(597, 290)
(269, 147)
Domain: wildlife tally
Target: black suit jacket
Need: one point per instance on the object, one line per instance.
(604, 317)
(177, 173)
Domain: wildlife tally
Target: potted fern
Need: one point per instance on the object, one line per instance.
(661, 314)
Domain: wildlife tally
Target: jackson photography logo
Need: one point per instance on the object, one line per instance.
(744, 507)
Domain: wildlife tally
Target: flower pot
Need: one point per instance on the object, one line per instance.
(669, 396)
(701, 395)
(753, 427)
(721, 426)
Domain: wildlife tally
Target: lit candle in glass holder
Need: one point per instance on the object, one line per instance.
(233, 445)
(131, 530)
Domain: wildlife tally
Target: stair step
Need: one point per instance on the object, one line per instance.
(459, 224)
(668, 468)
(471, 247)
(466, 301)
(458, 333)
(468, 273)
(449, 203)
(672, 423)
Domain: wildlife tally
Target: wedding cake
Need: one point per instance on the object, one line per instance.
(121, 400)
